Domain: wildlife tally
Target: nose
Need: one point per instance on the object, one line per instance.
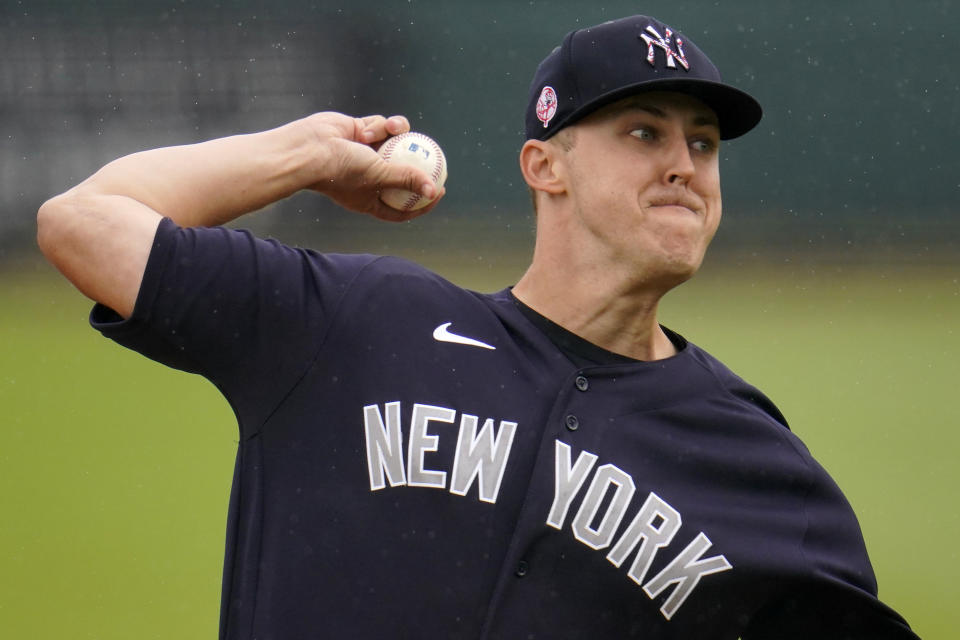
(678, 167)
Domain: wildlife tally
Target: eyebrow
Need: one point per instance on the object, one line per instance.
(700, 119)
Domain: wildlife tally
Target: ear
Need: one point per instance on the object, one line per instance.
(542, 166)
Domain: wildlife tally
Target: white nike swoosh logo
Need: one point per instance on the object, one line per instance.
(441, 334)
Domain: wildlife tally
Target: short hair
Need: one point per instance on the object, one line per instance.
(566, 138)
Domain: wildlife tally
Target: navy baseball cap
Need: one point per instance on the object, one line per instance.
(599, 65)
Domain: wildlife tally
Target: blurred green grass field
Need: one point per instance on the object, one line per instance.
(116, 471)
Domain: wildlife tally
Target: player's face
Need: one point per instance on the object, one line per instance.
(644, 179)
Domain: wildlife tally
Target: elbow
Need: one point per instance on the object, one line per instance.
(50, 221)
(57, 219)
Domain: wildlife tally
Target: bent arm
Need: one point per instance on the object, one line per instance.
(99, 233)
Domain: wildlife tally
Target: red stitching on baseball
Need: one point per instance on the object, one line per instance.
(389, 146)
(438, 164)
(412, 200)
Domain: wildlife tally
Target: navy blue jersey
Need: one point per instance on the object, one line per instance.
(421, 461)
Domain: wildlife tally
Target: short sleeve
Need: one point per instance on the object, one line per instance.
(246, 313)
(834, 597)
(828, 611)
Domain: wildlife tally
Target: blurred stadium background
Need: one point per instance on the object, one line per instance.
(834, 283)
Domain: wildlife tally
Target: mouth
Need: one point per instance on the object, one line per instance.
(675, 203)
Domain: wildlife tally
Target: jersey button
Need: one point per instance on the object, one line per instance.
(572, 422)
(582, 383)
(523, 567)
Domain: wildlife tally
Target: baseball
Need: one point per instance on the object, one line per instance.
(416, 150)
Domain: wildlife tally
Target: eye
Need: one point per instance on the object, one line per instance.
(703, 145)
(642, 133)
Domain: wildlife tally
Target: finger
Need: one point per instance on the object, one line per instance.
(385, 212)
(377, 128)
(396, 125)
(367, 128)
(433, 203)
(399, 176)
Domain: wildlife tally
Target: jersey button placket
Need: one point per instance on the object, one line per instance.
(572, 422)
(582, 383)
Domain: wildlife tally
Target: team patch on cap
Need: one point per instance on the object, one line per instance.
(546, 106)
(663, 42)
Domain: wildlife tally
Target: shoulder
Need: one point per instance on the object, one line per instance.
(831, 544)
(252, 262)
(832, 540)
(404, 283)
(394, 270)
(277, 273)
(737, 388)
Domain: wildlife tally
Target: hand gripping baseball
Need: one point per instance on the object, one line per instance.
(353, 175)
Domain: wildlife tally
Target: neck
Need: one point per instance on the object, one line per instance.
(605, 311)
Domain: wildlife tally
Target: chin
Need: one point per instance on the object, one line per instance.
(675, 269)
(667, 274)
(681, 275)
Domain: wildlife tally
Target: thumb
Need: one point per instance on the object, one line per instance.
(399, 176)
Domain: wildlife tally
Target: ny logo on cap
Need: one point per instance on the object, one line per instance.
(547, 106)
(664, 43)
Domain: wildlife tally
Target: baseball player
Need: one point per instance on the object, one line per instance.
(421, 461)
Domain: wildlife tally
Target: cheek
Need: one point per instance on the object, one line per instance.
(714, 211)
(710, 182)
(709, 190)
